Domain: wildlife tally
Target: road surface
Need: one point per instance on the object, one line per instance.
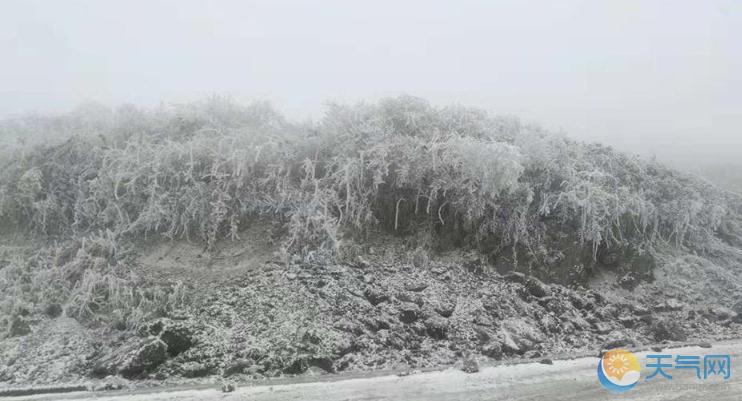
(564, 380)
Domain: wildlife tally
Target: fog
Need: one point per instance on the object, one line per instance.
(660, 78)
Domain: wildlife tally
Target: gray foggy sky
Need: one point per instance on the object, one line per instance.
(661, 77)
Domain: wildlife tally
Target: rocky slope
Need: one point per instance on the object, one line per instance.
(384, 311)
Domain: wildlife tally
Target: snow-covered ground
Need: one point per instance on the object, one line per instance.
(564, 380)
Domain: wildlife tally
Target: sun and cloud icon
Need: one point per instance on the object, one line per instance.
(618, 370)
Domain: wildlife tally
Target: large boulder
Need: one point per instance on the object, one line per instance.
(133, 359)
(177, 335)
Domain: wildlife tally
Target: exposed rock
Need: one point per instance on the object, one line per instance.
(304, 362)
(483, 319)
(348, 326)
(509, 346)
(704, 344)
(544, 301)
(664, 330)
(445, 308)
(377, 323)
(577, 301)
(133, 359)
(546, 361)
(415, 286)
(515, 277)
(194, 369)
(609, 312)
(549, 323)
(483, 334)
(493, 350)
(53, 310)
(394, 340)
(589, 305)
(409, 312)
(526, 345)
(362, 263)
(627, 321)
(299, 365)
(578, 322)
(647, 319)
(410, 297)
(322, 363)
(110, 383)
(238, 366)
(316, 371)
(153, 328)
(719, 313)
(178, 338)
(669, 305)
(567, 327)
(602, 327)
(640, 310)
(147, 357)
(375, 295)
(519, 336)
(309, 336)
(609, 257)
(555, 305)
(536, 288)
(619, 341)
(597, 297)
(178, 335)
(437, 327)
(420, 258)
(470, 365)
(408, 372)
(629, 281)
(475, 266)
(344, 345)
